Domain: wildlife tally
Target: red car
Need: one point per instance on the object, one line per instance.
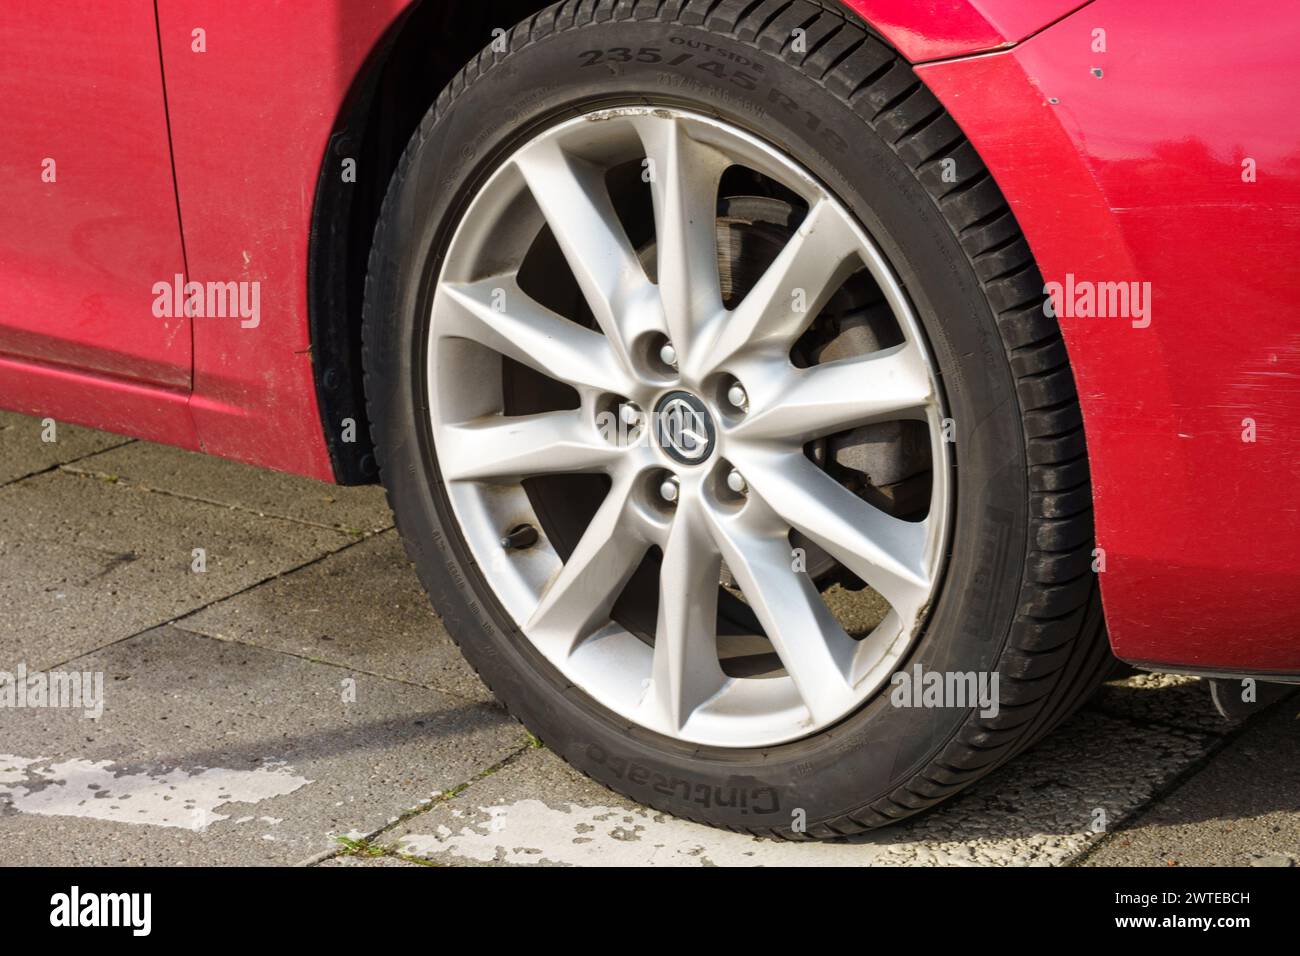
(788, 406)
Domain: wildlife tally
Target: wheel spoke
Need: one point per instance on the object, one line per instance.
(511, 448)
(809, 403)
(578, 600)
(813, 647)
(885, 552)
(574, 200)
(684, 176)
(529, 333)
(686, 670)
(804, 275)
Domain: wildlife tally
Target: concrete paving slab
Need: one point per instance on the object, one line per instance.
(51, 599)
(84, 562)
(214, 753)
(1039, 810)
(192, 475)
(23, 452)
(1241, 809)
(361, 608)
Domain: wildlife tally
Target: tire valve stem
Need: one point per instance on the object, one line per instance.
(519, 537)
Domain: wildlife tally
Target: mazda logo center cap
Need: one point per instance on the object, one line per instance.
(684, 428)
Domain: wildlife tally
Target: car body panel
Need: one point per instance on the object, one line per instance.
(939, 29)
(1137, 175)
(251, 118)
(88, 222)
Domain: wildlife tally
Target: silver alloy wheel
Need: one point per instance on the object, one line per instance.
(735, 503)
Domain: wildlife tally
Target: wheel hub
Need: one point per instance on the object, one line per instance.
(683, 427)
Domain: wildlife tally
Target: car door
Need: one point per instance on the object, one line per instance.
(88, 222)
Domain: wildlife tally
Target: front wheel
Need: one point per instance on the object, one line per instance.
(718, 409)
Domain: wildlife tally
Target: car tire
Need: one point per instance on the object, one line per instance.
(1016, 595)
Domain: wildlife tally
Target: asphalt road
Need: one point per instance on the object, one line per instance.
(296, 701)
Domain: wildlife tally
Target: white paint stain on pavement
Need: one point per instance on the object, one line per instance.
(14, 769)
(531, 832)
(183, 798)
(1076, 786)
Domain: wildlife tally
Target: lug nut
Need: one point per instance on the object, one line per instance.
(629, 413)
(736, 395)
(668, 355)
(669, 490)
(736, 482)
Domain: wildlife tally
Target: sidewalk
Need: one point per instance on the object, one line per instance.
(299, 702)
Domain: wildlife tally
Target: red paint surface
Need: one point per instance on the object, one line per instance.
(79, 255)
(115, 405)
(1137, 175)
(934, 29)
(251, 117)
